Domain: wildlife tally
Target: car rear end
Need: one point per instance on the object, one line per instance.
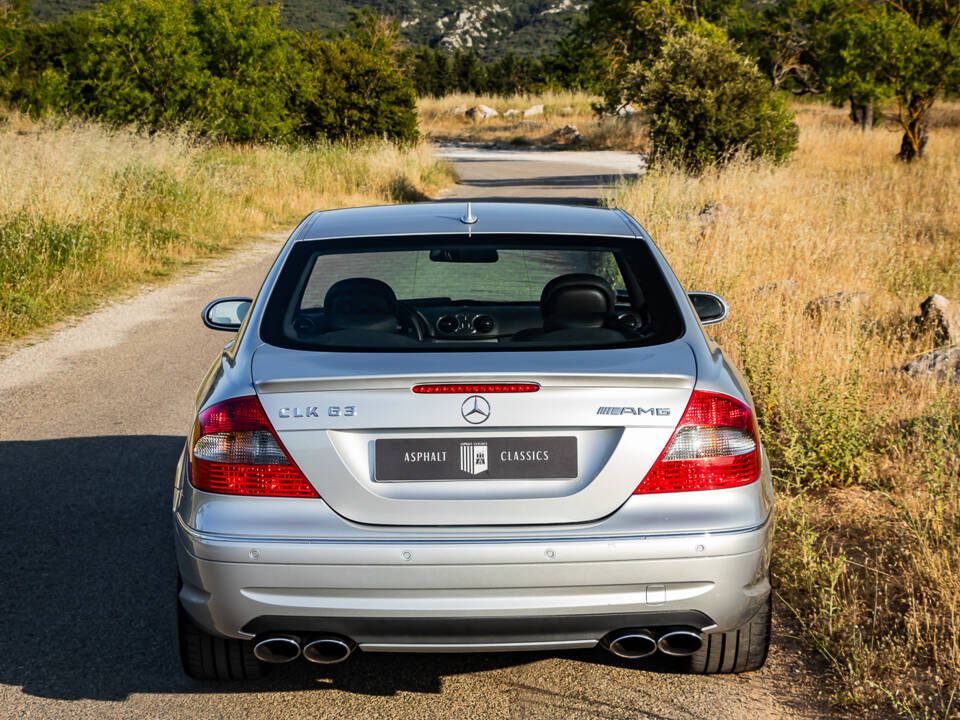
(591, 481)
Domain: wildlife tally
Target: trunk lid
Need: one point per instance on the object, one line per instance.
(379, 453)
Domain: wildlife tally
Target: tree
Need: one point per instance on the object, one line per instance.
(707, 104)
(141, 63)
(912, 47)
(355, 89)
(250, 71)
(13, 18)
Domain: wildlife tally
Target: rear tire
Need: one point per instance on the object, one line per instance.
(740, 650)
(207, 657)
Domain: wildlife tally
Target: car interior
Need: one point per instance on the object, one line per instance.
(574, 308)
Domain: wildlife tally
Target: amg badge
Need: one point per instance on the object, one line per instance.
(607, 410)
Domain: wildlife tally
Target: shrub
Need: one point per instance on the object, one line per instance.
(355, 91)
(707, 103)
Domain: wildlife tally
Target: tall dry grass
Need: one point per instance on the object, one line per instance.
(439, 123)
(866, 459)
(86, 210)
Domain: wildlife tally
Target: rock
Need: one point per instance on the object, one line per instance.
(942, 317)
(566, 110)
(627, 110)
(481, 112)
(510, 113)
(942, 365)
(819, 307)
(566, 134)
(458, 110)
(533, 110)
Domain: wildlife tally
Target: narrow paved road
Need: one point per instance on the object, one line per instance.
(91, 422)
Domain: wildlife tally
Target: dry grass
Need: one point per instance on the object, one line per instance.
(86, 211)
(866, 459)
(439, 123)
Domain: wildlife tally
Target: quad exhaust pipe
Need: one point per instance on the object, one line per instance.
(328, 650)
(641, 643)
(278, 649)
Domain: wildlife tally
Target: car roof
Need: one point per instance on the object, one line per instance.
(445, 217)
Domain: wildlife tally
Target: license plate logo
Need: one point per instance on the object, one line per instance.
(473, 457)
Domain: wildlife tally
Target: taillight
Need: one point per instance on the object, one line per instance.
(236, 451)
(715, 446)
(460, 388)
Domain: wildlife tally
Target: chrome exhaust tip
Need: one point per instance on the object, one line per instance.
(277, 649)
(680, 643)
(633, 645)
(327, 650)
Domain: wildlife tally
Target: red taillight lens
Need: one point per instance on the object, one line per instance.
(715, 446)
(452, 388)
(235, 451)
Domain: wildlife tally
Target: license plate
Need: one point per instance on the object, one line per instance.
(495, 458)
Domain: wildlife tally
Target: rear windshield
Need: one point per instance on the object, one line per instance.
(442, 293)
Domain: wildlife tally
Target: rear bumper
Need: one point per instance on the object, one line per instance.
(431, 595)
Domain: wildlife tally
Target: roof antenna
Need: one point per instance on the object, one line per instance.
(469, 218)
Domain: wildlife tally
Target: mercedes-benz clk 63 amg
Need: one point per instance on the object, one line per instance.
(444, 428)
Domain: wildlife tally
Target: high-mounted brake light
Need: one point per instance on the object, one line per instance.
(453, 388)
(716, 445)
(236, 451)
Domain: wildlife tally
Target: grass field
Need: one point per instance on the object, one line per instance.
(438, 121)
(866, 459)
(86, 212)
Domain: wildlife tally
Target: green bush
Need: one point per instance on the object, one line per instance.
(221, 68)
(708, 104)
(355, 90)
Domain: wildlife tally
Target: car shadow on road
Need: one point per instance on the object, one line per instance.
(88, 587)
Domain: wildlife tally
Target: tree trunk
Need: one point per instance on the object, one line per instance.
(862, 115)
(914, 141)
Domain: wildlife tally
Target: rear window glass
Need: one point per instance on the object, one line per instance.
(443, 293)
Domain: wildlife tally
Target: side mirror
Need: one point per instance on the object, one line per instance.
(710, 307)
(226, 313)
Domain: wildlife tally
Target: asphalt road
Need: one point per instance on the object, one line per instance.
(92, 419)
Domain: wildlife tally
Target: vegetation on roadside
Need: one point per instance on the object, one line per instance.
(707, 104)
(218, 68)
(86, 211)
(867, 549)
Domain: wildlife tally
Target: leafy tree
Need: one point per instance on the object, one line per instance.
(912, 48)
(13, 17)
(626, 32)
(707, 103)
(249, 69)
(355, 88)
(141, 63)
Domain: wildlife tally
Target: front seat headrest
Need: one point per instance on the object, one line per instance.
(361, 303)
(356, 296)
(578, 300)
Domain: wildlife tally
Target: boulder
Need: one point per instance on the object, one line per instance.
(510, 113)
(942, 365)
(481, 112)
(941, 317)
(566, 134)
(845, 301)
(627, 110)
(533, 110)
(460, 110)
(566, 110)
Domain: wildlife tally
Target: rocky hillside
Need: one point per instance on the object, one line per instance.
(490, 27)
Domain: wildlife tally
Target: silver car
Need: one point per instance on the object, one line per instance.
(445, 428)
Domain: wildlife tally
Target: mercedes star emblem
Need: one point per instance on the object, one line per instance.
(475, 409)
